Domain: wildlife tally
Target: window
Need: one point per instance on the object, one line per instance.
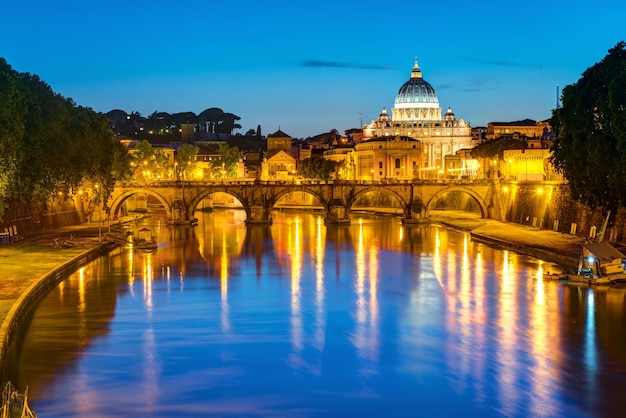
(397, 163)
(380, 164)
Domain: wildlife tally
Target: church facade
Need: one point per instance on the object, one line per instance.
(416, 114)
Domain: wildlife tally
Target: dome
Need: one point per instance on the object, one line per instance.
(416, 92)
(384, 116)
(449, 115)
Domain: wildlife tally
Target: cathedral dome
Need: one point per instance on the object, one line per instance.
(416, 92)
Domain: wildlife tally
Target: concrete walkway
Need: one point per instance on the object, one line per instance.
(545, 244)
(25, 266)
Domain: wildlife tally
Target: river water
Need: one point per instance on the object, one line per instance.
(303, 320)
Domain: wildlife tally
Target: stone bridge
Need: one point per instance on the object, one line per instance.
(181, 198)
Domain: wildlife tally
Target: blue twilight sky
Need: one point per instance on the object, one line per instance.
(309, 66)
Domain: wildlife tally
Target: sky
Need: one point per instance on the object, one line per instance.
(308, 67)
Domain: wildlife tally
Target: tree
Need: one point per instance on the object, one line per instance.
(49, 146)
(318, 168)
(150, 162)
(12, 117)
(227, 163)
(186, 160)
(590, 127)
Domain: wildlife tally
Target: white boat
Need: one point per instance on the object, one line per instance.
(600, 263)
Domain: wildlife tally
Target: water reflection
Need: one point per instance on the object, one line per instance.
(302, 319)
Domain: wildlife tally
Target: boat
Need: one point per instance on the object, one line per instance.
(555, 276)
(15, 404)
(145, 244)
(145, 240)
(600, 263)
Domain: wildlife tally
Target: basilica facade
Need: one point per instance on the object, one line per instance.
(416, 115)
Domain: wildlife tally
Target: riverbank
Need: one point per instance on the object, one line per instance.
(33, 265)
(547, 245)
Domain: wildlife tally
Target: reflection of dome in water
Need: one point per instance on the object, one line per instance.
(416, 91)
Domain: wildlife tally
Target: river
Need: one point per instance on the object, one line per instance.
(303, 320)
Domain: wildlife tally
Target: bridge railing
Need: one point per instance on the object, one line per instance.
(251, 181)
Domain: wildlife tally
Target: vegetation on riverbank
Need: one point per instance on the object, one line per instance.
(50, 147)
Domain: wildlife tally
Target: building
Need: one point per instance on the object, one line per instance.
(397, 157)
(416, 114)
(528, 165)
(279, 163)
(526, 127)
(278, 141)
(280, 166)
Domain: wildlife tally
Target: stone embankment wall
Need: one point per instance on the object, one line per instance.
(549, 206)
(34, 217)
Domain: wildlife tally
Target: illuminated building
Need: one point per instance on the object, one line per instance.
(527, 127)
(416, 114)
(279, 163)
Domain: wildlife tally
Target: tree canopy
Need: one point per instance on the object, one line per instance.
(168, 126)
(226, 165)
(318, 168)
(590, 127)
(51, 146)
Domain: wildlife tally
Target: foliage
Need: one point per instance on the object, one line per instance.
(590, 128)
(186, 160)
(49, 146)
(150, 162)
(318, 168)
(226, 165)
(13, 112)
(168, 126)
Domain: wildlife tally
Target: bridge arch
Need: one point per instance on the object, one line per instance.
(484, 211)
(379, 188)
(302, 189)
(117, 201)
(205, 192)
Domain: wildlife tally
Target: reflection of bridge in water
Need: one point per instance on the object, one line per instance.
(181, 198)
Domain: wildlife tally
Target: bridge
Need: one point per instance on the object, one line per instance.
(181, 198)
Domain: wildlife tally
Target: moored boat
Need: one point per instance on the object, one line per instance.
(15, 404)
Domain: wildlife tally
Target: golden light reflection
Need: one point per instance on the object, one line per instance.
(62, 292)
(82, 305)
(542, 337)
(81, 290)
(437, 258)
(320, 317)
(366, 336)
(295, 250)
(507, 336)
(131, 272)
(147, 281)
(225, 309)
